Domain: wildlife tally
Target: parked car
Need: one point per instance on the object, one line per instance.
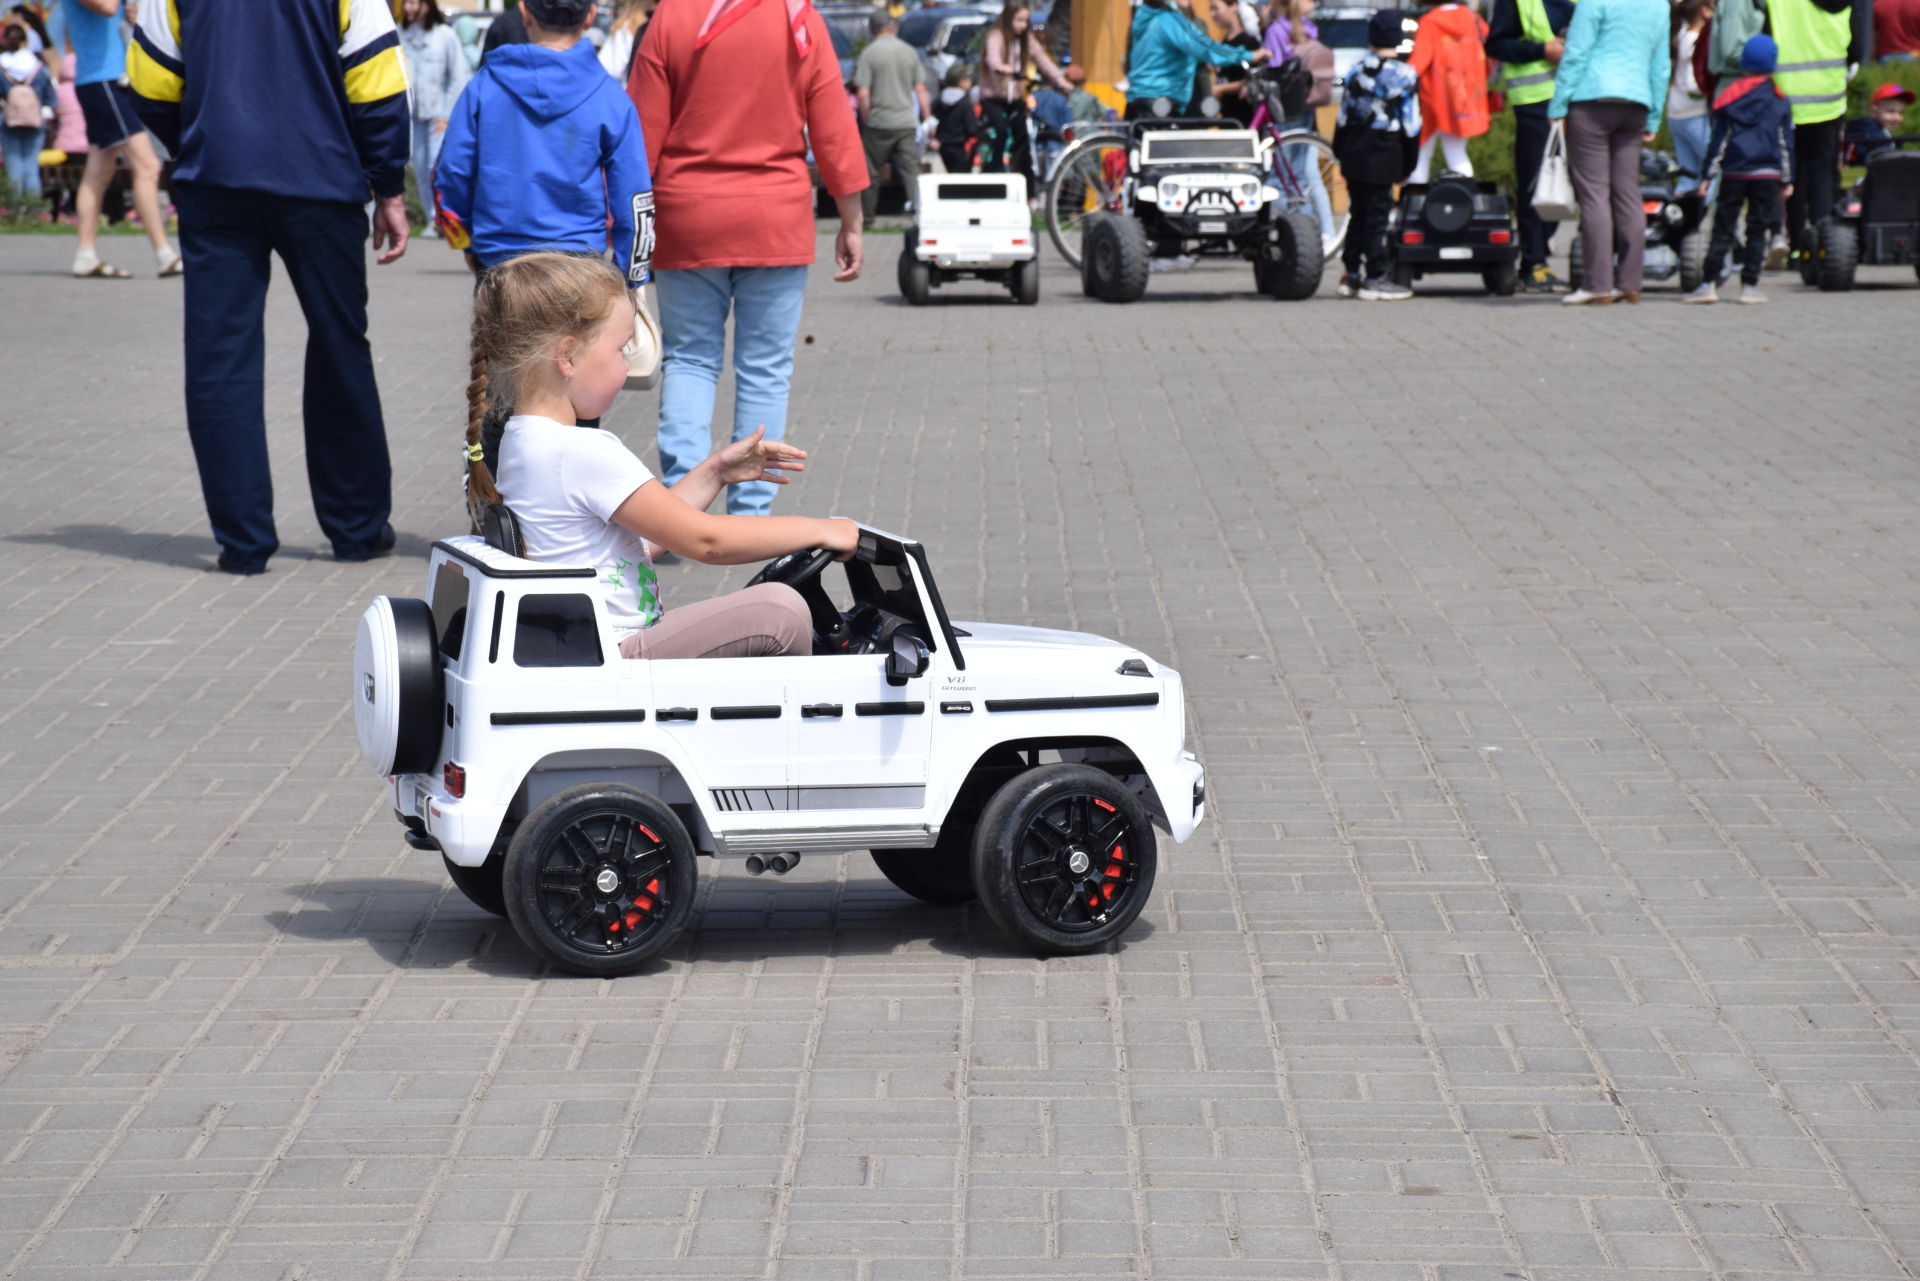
(942, 35)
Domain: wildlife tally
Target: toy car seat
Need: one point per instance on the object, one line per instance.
(501, 529)
(1890, 208)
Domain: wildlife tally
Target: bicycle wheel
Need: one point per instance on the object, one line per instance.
(1090, 177)
(1304, 166)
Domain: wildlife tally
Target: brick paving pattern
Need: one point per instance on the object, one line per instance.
(1555, 671)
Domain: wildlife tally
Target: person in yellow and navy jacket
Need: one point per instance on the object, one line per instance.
(283, 120)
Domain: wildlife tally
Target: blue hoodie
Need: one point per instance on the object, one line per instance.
(541, 147)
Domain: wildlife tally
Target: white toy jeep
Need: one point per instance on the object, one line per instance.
(972, 224)
(569, 789)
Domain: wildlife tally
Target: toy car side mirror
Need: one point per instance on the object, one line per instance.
(907, 659)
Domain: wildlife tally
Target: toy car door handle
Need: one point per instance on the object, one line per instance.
(812, 710)
(677, 714)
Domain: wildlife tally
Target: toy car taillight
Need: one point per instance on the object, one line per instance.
(1413, 237)
(1499, 237)
(455, 777)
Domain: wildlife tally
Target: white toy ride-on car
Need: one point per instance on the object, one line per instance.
(570, 789)
(971, 225)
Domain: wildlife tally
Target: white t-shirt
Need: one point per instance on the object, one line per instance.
(564, 484)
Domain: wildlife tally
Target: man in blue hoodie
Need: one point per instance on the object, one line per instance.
(1751, 150)
(542, 146)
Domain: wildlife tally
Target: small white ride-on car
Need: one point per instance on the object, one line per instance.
(569, 789)
(972, 224)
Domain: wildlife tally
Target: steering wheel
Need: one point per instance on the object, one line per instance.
(801, 571)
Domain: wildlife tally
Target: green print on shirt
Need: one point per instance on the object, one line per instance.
(646, 587)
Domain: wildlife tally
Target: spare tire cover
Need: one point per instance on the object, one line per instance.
(1449, 207)
(397, 686)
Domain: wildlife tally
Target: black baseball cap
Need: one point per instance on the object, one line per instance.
(559, 14)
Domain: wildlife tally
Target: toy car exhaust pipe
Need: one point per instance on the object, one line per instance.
(778, 864)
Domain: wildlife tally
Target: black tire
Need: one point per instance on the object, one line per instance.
(1064, 859)
(1116, 258)
(916, 282)
(942, 876)
(1024, 282)
(1839, 255)
(1401, 274)
(1501, 281)
(399, 697)
(1576, 267)
(484, 885)
(1289, 265)
(599, 879)
(1807, 259)
(1693, 259)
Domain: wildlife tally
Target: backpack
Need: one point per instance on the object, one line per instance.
(23, 105)
(1734, 22)
(1288, 89)
(1318, 60)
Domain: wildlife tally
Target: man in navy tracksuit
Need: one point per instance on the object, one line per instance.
(1751, 151)
(283, 119)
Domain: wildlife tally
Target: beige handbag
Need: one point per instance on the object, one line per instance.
(643, 352)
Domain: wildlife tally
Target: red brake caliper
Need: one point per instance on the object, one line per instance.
(1113, 868)
(641, 902)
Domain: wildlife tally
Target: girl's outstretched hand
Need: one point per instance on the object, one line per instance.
(757, 458)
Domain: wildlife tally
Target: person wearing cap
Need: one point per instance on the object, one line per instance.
(1751, 153)
(284, 120)
(1377, 142)
(1871, 134)
(731, 95)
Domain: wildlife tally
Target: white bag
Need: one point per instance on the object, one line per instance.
(1553, 197)
(643, 353)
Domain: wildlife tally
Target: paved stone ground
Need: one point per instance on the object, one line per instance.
(1556, 919)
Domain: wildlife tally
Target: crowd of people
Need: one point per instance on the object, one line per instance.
(542, 153)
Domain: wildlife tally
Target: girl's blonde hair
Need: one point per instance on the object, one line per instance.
(523, 309)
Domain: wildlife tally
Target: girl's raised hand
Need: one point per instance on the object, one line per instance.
(757, 458)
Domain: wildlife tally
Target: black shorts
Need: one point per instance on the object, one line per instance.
(110, 113)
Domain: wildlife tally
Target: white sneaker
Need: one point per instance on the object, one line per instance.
(1751, 294)
(1384, 291)
(1348, 287)
(1587, 298)
(1705, 293)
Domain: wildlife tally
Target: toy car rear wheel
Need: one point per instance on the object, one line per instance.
(1289, 265)
(599, 879)
(1576, 266)
(1117, 257)
(1693, 259)
(1401, 274)
(1839, 255)
(398, 687)
(483, 885)
(1023, 282)
(1064, 858)
(1501, 281)
(916, 281)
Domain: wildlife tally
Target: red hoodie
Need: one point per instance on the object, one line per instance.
(727, 128)
(1450, 53)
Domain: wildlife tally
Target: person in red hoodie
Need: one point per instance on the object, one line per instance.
(730, 93)
(1450, 55)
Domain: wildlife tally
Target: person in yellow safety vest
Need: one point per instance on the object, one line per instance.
(1527, 36)
(1820, 42)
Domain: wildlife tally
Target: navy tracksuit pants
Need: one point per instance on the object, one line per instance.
(228, 237)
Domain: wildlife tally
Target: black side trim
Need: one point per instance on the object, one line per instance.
(677, 714)
(762, 712)
(491, 571)
(812, 710)
(1072, 704)
(889, 709)
(614, 716)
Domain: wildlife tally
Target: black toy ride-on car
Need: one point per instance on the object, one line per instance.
(1454, 224)
(1198, 186)
(1677, 227)
(1877, 222)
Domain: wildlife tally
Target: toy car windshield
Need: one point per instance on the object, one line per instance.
(1228, 146)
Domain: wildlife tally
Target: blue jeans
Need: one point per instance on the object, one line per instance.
(765, 302)
(1690, 144)
(425, 152)
(21, 147)
(1304, 164)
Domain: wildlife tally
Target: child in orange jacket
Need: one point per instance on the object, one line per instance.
(1450, 53)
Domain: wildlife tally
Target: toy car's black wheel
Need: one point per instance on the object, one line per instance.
(1401, 274)
(1576, 266)
(1807, 255)
(1501, 281)
(482, 885)
(942, 875)
(1693, 259)
(915, 280)
(599, 879)
(1839, 255)
(1023, 282)
(1289, 264)
(1117, 257)
(1064, 858)
(398, 687)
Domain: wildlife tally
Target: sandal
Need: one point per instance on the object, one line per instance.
(177, 266)
(105, 271)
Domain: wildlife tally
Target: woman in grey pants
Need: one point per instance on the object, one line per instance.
(1610, 87)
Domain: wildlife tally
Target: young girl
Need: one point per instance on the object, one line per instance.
(548, 329)
(1450, 55)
